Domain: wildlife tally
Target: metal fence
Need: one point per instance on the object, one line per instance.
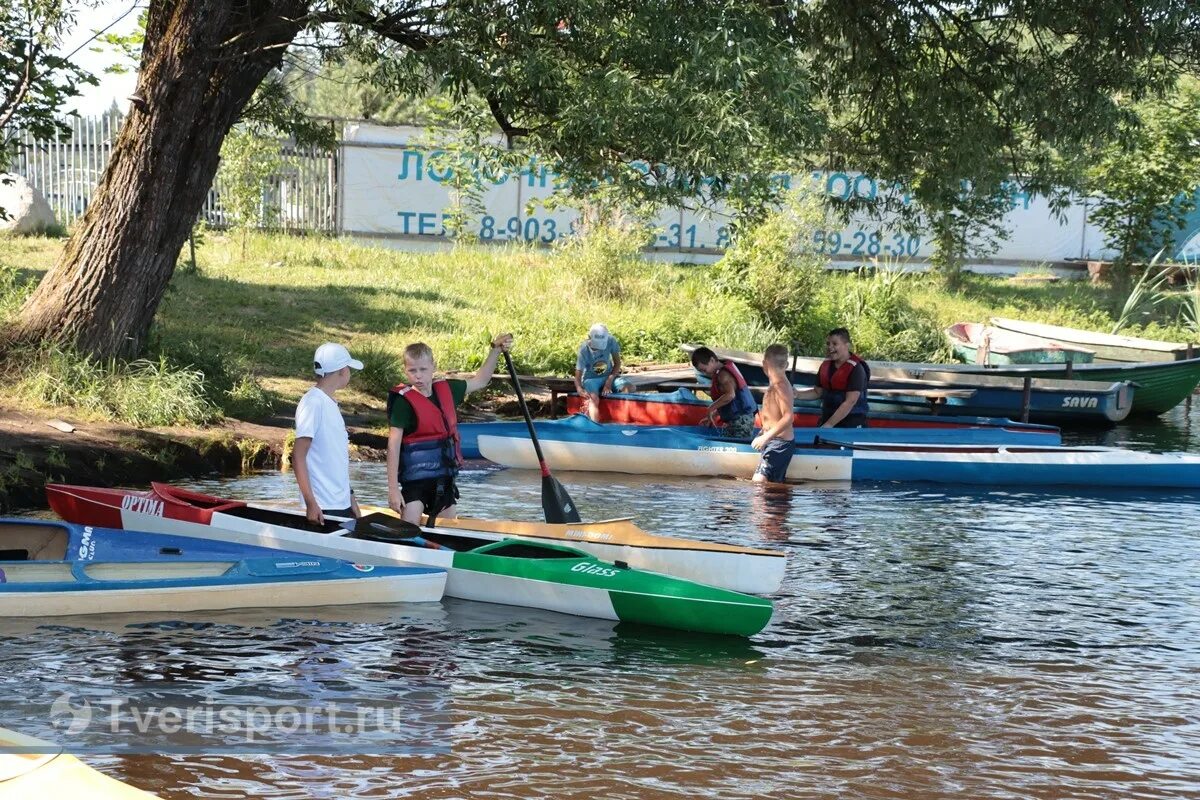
(66, 169)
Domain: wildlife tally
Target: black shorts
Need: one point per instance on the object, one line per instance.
(426, 492)
(776, 457)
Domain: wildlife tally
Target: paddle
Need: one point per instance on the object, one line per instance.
(381, 527)
(557, 505)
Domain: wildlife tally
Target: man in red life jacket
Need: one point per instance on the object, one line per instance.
(423, 452)
(841, 384)
(732, 401)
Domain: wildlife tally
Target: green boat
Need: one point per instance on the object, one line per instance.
(1160, 385)
(531, 574)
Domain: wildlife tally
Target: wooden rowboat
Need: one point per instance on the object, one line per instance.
(987, 345)
(1107, 347)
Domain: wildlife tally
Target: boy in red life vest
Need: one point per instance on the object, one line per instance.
(423, 453)
(841, 384)
(732, 401)
(775, 441)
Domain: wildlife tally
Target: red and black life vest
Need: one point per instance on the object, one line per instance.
(836, 382)
(432, 450)
(743, 401)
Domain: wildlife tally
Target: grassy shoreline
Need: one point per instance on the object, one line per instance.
(254, 322)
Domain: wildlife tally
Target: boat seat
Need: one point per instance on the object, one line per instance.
(33, 542)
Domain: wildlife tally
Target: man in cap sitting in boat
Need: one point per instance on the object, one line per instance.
(732, 401)
(841, 384)
(321, 456)
(598, 369)
(423, 453)
(776, 439)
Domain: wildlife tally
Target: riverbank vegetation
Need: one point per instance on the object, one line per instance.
(235, 337)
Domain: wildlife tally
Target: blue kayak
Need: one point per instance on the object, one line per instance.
(58, 568)
(578, 428)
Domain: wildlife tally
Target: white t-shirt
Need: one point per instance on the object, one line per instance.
(319, 418)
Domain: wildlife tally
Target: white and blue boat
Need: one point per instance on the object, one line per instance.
(850, 455)
(50, 568)
(578, 428)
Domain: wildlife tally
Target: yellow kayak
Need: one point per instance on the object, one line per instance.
(51, 773)
(740, 569)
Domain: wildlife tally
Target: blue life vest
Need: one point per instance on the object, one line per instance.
(743, 402)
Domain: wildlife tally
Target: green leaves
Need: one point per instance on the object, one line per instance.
(1145, 179)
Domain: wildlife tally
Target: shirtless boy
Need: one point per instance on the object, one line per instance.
(775, 441)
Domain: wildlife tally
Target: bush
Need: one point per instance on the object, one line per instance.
(605, 252)
(875, 307)
(382, 369)
(141, 393)
(228, 381)
(775, 267)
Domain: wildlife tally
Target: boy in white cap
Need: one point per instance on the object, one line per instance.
(321, 458)
(598, 368)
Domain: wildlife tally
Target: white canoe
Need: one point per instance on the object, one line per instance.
(711, 460)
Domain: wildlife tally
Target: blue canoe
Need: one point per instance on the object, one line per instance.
(578, 427)
(644, 451)
(57, 568)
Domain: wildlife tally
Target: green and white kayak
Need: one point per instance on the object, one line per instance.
(557, 578)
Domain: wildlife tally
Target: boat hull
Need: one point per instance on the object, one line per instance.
(739, 569)
(33, 768)
(1111, 348)
(981, 344)
(578, 427)
(578, 584)
(682, 407)
(969, 465)
(104, 571)
(1095, 395)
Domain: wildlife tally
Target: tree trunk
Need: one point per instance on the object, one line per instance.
(201, 62)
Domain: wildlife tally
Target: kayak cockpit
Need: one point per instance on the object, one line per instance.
(33, 541)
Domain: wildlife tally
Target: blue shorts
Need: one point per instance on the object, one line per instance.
(775, 459)
(596, 385)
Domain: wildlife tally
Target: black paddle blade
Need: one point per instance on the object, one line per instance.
(380, 523)
(557, 505)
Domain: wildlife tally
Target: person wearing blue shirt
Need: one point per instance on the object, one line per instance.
(598, 369)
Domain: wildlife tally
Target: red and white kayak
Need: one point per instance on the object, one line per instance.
(169, 509)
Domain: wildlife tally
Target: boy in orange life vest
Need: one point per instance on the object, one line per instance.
(841, 384)
(423, 454)
(732, 400)
(775, 441)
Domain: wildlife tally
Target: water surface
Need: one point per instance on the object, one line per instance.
(927, 642)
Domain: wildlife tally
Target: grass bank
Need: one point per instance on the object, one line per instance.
(249, 325)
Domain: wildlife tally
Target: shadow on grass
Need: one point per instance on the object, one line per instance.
(274, 329)
(1075, 296)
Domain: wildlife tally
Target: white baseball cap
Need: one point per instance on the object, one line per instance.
(331, 356)
(598, 336)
